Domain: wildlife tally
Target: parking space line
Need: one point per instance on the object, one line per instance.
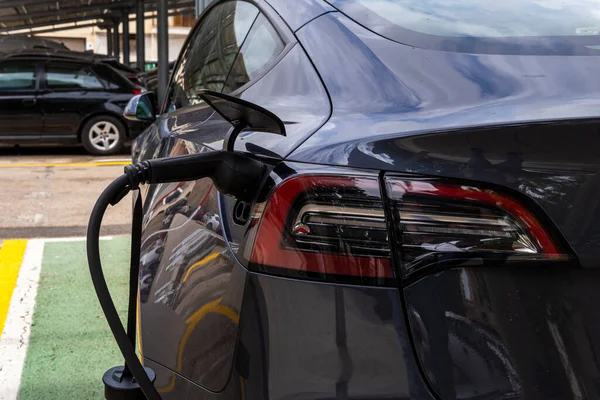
(11, 256)
(82, 164)
(15, 336)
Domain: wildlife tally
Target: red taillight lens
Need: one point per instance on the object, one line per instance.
(325, 227)
(440, 221)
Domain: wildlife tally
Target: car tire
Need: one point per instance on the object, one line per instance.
(103, 135)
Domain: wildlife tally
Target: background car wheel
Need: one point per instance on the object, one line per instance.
(103, 135)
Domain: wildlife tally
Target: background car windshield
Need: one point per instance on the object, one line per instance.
(487, 18)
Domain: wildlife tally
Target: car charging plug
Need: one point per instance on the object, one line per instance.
(232, 173)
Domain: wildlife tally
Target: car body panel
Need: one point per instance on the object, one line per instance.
(20, 113)
(21, 116)
(354, 345)
(526, 333)
(301, 13)
(191, 291)
(399, 90)
(526, 126)
(66, 111)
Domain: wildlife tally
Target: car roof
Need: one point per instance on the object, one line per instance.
(26, 55)
(20, 42)
(58, 54)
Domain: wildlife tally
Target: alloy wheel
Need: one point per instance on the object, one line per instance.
(104, 136)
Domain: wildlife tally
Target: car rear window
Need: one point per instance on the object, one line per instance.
(111, 78)
(530, 26)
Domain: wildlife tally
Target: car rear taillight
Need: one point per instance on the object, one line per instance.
(438, 222)
(326, 228)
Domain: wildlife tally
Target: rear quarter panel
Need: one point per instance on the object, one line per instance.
(529, 125)
(190, 292)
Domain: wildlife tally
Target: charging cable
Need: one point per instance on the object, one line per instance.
(232, 173)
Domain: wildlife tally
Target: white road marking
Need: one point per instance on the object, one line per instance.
(35, 195)
(76, 239)
(114, 160)
(15, 336)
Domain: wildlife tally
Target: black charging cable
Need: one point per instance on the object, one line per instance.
(231, 173)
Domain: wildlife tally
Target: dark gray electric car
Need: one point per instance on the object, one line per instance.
(430, 227)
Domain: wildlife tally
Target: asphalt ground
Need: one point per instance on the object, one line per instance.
(50, 192)
(54, 340)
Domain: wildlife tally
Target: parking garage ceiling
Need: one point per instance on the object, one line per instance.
(26, 15)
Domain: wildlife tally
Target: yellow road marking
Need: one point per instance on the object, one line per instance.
(85, 164)
(11, 257)
(205, 260)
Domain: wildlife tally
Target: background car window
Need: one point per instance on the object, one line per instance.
(210, 53)
(262, 45)
(110, 78)
(17, 76)
(70, 77)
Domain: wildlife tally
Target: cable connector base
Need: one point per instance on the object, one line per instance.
(121, 386)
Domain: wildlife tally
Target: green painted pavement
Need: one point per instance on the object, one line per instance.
(70, 344)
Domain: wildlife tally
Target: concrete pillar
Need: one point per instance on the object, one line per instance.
(116, 46)
(109, 41)
(162, 23)
(125, 19)
(140, 38)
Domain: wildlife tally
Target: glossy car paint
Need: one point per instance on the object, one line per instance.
(198, 129)
(57, 116)
(190, 311)
(302, 13)
(524, 125)
(20, 111)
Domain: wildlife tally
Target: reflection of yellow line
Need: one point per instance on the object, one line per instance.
(88, 164)
(192, 321)
(11, 257)
(205, 260)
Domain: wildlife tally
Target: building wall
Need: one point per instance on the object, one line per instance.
(94, 39)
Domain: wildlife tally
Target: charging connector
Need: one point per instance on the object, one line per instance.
(232, 173)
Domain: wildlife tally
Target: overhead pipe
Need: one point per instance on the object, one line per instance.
(189, 10)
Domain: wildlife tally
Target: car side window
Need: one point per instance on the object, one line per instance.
(262, 45)
(17, 76)
(110, 78)
(70, 77)
(210, 52)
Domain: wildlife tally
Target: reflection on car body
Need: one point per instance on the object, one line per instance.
(427, 227)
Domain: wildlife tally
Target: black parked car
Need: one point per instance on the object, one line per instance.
(133, 74)
(46, 99)
(430, 227)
